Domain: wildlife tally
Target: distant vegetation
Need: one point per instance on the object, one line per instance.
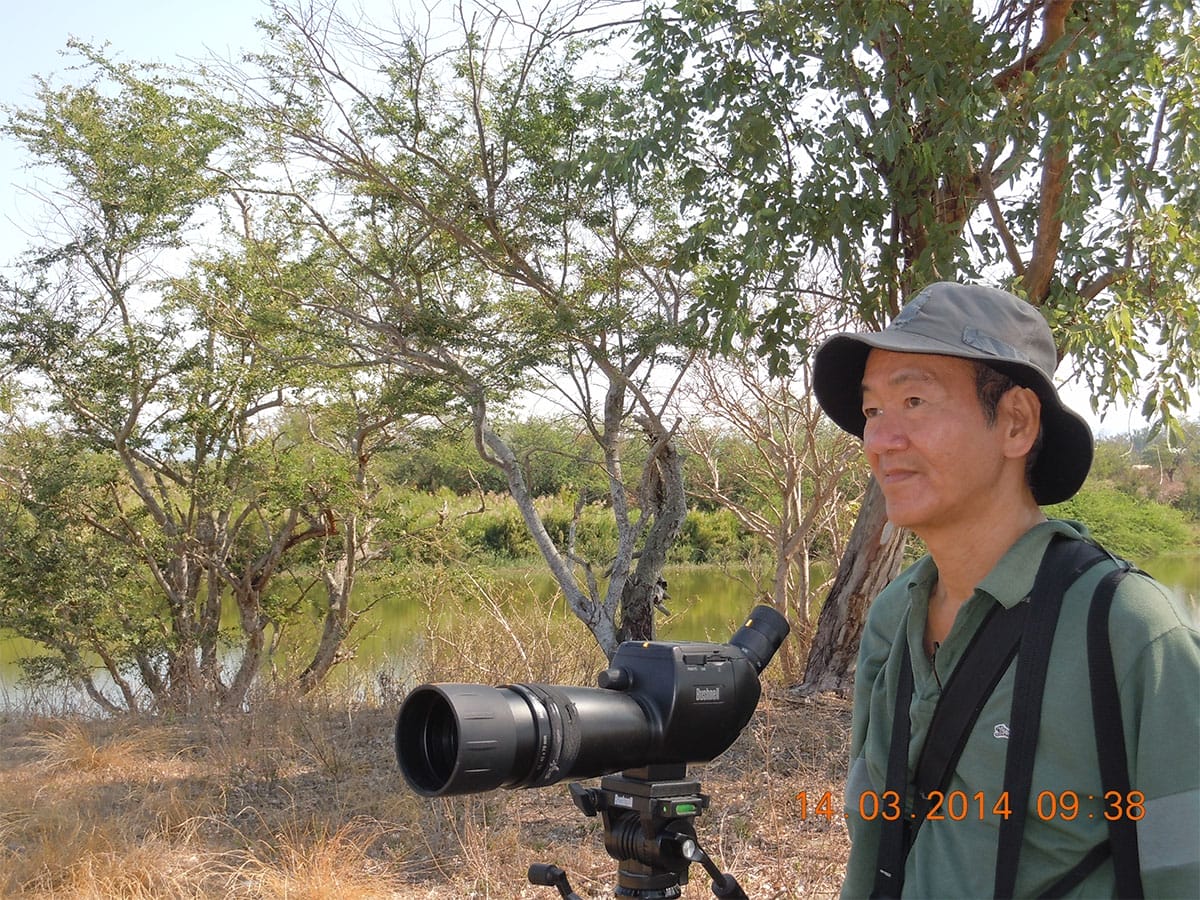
(1141, 499)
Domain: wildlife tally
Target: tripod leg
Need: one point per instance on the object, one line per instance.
(552, 876)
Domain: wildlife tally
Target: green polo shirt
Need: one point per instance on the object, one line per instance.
(1156, 656)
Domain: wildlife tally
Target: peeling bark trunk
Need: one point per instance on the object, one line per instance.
(664, 497)
(871, 560)
(339, 621)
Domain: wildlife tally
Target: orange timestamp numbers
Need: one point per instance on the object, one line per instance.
(958, 806)
(816, 805)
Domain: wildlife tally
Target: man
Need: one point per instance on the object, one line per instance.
(967, 438)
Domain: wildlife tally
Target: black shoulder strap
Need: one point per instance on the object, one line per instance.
(1121, 843)
(972, 681)
(983, 664)
(894, 838)
(1110, 735)
(1063, 562)
(1028, 626)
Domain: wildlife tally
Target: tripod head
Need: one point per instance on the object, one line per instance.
(648, 819)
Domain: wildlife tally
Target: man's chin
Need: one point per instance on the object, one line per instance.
(903, 515)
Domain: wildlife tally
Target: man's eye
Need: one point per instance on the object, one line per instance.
(910, 402)
(870, 412)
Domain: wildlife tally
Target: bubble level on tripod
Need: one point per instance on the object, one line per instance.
(680, 809)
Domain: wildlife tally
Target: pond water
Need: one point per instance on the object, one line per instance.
(706, 604)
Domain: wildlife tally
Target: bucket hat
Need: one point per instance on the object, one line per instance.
(976, 323)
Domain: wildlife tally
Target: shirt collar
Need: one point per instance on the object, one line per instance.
(1011, 580)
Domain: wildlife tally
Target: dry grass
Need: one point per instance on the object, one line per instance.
(302, 798)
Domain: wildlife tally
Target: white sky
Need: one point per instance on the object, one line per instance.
(168, 31)
(171, 31)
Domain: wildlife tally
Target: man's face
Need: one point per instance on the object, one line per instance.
(930, 448)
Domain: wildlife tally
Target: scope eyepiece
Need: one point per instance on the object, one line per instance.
(761, 636)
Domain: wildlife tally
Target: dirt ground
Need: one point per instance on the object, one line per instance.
(304, 800)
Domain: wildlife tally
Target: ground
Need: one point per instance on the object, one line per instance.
(302, 799)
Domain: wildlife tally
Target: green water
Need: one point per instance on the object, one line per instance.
(706, 604)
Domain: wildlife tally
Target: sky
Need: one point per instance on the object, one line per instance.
(36, 35)
(174, 31)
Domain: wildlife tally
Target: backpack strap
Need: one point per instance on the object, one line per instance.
(1063, 563)
(983, 664)
(1074, 876)
(895, 838)
(1110, 735)
(1121, 844)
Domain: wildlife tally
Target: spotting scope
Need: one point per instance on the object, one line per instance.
(658, 703)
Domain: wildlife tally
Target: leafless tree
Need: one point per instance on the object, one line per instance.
(766, 454)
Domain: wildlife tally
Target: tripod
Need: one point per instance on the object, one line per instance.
(647, 815)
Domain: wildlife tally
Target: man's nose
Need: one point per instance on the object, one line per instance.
(882, 433)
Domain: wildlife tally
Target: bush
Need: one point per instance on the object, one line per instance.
(498, 531)
(1128, 526)
(595, 533)
(710, 537)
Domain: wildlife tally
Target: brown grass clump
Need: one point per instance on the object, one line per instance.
(307, 861)
(506, 643)
(301, 798)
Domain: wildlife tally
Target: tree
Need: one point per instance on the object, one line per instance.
(478, 246)
(163, 488)
(365, 417)
(66, 587)
(1050, 147)
(765, 454)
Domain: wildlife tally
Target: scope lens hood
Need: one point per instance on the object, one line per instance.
(460, 735)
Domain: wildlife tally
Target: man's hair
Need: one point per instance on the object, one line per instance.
(992, 384)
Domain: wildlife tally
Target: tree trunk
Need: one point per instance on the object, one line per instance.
(871, 560)
(663, 496)
(253, 643)
(339, 620)
(789, 596)
(637, 610)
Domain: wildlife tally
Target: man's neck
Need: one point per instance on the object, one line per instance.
(964, 558)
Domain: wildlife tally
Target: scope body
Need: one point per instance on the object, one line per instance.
(659, 702)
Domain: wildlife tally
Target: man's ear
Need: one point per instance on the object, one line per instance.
(1020, 414)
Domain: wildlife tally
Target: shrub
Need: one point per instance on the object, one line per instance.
(710, 537)
(1128, 526)
(498, 531)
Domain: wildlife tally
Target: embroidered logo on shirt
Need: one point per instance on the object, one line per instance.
(1000, 732)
